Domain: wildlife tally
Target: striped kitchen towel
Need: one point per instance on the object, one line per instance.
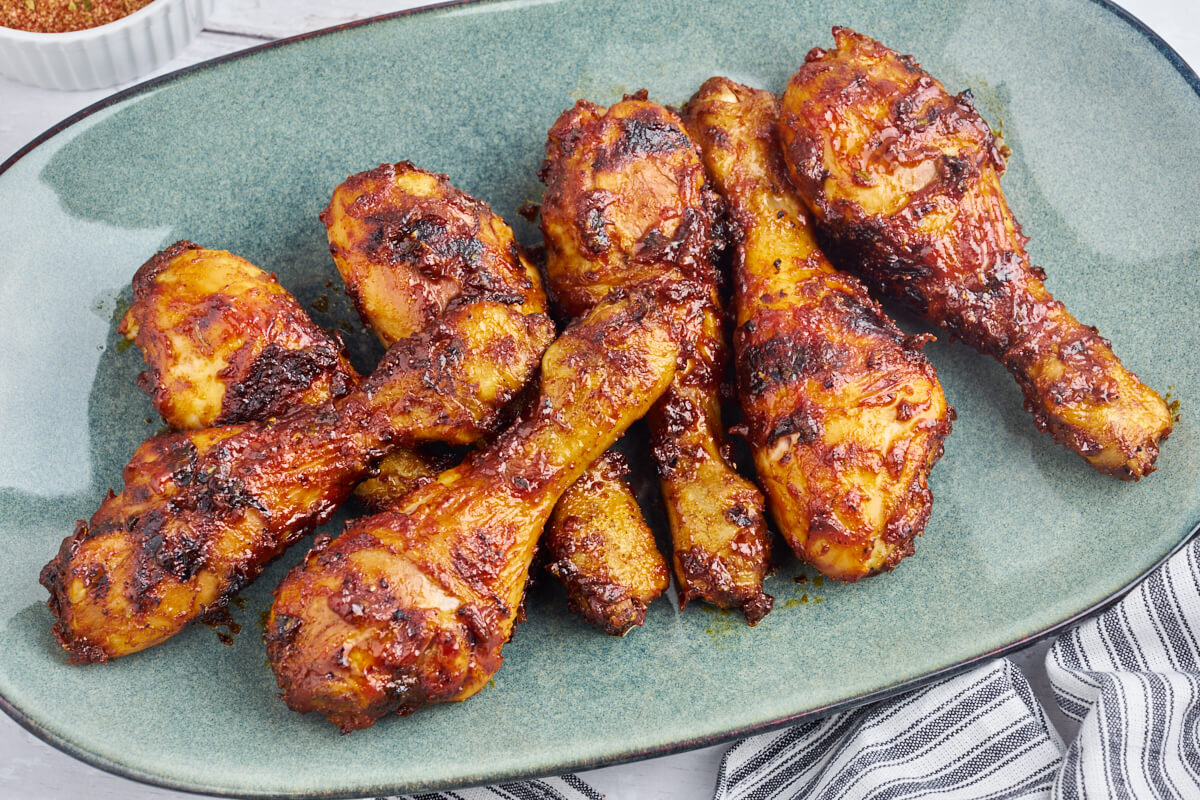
(978, 735)
(1130, 676)
(566, 787)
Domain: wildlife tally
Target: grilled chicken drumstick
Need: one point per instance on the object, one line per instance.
(602, 550)
(412, 607)
(225, 343)
(202, 512)
(905, 180)
(626, 203)
(407, 243)
(844, 415)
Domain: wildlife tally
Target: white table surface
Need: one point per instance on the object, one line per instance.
(31, 769)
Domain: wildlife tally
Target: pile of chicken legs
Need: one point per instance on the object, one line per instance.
(866, 158)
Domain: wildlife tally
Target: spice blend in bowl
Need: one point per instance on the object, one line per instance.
(91, 44)
(61, 16)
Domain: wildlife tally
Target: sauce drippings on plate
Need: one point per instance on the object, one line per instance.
(61, 16)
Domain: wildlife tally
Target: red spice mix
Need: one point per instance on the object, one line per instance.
(60, 16)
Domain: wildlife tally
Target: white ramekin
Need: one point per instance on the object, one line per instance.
(106, 55)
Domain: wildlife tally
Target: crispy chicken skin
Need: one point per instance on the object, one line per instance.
(413, 606)
(225, 343)
(202, 512)
(905, 180)
(407, 242)
(844, 415)
(625, 203)
(602, 550)
(397, 475)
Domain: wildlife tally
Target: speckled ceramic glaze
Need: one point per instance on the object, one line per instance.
(1104, 125)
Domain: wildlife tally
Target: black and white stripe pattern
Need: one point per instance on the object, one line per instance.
(1132, 678)
(565, 787)
(979, 735)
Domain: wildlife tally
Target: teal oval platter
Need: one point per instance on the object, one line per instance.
(1104, 124)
